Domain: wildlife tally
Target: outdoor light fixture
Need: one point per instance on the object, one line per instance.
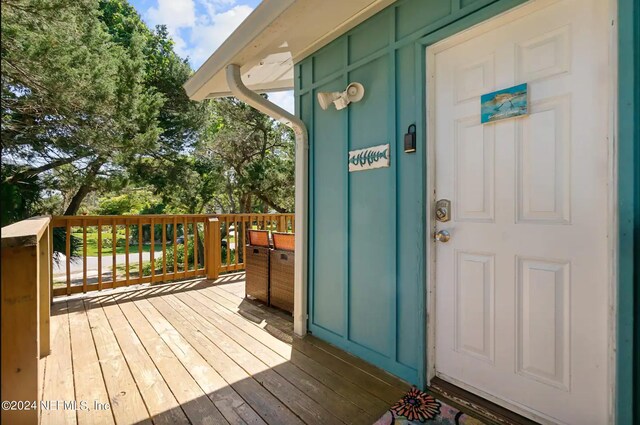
(353, 93)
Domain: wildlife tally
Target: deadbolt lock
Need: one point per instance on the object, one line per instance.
(443, 210)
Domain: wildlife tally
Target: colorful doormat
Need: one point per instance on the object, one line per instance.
(418, 407)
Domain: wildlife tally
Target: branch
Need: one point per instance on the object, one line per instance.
(37, 170)
(270, 203)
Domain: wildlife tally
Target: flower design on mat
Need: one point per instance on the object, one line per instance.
(417, 405)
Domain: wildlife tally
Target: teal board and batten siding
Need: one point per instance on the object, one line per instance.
(628, 337)
(367, 228)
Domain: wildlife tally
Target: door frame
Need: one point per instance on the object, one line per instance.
(433, 44)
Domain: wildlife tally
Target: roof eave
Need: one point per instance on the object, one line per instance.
(246, 46)
(246, 32)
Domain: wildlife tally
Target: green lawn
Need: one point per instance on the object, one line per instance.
(92, 244)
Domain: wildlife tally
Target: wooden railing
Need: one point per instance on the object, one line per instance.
(238, 224)
(153, 248)
(26, 301)
(207, 245)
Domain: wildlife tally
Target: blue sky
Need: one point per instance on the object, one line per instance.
(198, 27)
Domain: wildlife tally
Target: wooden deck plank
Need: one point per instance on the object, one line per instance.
(58, 377)
(262, 401)
(87, 373)
(277, 317)
(235, 298)
(298, 401)
(400, 385)
(367, 402)
(134, 329)
(256, 313)
(226, 399)
(200, 349)
(235, 290)
(373, 380)
(279, 362)
(364, 380)
(160, 401)
(126, 402)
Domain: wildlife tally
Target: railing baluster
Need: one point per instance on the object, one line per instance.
(226, 221)
(151, 249)
(68, 254)
(84, 255)
(175, 246)
(244, 240)
(185, 232)
(236, 240)
(206, 245)
(126, 251)
(215, 248)
(114, 244)
(140, 250)
(99, 255)
(195, 245)
(164, 250)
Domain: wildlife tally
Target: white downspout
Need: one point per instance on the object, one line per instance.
(239, 90)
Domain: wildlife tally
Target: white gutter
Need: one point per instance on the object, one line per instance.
(239, 90)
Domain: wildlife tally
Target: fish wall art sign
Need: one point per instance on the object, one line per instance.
(506, 103)
(369, 158)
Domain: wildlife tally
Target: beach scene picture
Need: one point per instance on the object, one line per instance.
(505, 103)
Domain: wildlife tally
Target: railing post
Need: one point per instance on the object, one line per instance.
(25, 314)
(45, 250)
(213, 248)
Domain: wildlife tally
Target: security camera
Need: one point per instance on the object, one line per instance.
(353, 93)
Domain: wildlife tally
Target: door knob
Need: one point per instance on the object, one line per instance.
(442, 236)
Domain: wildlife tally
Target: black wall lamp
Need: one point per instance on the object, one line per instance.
(410, 139)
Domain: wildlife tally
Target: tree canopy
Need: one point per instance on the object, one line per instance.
(93, 110)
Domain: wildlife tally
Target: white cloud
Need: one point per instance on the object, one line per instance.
(198, 27)
(175, 14)
(284, 99)
(211, 6)
(206, 38)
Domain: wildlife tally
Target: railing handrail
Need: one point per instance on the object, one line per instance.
(77, 220)
(68, 217)
(25, 233)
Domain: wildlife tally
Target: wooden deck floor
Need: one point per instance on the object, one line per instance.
(199, 353)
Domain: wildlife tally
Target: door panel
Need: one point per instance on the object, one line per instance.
(521, 288)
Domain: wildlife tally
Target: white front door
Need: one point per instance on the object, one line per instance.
(521, 288)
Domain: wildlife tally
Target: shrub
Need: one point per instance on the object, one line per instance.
(180, 252)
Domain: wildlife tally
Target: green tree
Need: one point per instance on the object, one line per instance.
(256, 154)
(93, 107)
(128, 201)
(71, 96)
